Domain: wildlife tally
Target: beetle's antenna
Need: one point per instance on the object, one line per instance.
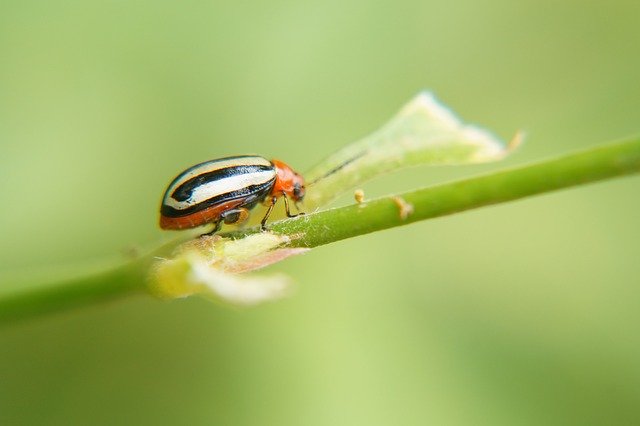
(337, 168)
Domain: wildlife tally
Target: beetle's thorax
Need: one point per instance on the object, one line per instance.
(287, 182)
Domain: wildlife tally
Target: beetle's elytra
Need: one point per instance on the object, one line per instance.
(224, 190)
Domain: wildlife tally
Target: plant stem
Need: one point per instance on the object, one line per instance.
(594, 164)
(69, 293)
(45, 296)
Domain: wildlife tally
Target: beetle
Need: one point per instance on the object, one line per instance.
(224, 190)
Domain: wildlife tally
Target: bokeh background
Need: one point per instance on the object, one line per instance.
(526, 313)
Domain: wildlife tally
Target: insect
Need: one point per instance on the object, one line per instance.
(224, 190)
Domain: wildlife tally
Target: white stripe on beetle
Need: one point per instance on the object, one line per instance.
(219, 187)
(214, 165)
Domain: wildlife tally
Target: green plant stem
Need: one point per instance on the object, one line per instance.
(69, 293)
(45, 296)
(594, 164)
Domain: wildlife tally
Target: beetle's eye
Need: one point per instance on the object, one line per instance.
(298, 191)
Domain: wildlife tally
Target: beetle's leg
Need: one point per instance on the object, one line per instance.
(235, 216)
(215, 229)
(286, 206)
(266, 215)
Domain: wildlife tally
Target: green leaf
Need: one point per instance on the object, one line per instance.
(424, 132)
(209, 266)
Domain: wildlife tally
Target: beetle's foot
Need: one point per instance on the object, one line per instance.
(216, 228)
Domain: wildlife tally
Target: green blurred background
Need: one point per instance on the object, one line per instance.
(526, 313)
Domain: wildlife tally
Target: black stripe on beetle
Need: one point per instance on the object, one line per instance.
(185, 190)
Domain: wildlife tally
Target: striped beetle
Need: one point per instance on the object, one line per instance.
(224, 190)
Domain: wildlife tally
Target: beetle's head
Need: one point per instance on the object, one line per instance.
(288, 181)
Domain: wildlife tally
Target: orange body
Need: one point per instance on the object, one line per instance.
(198, 218)
(288, 182)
